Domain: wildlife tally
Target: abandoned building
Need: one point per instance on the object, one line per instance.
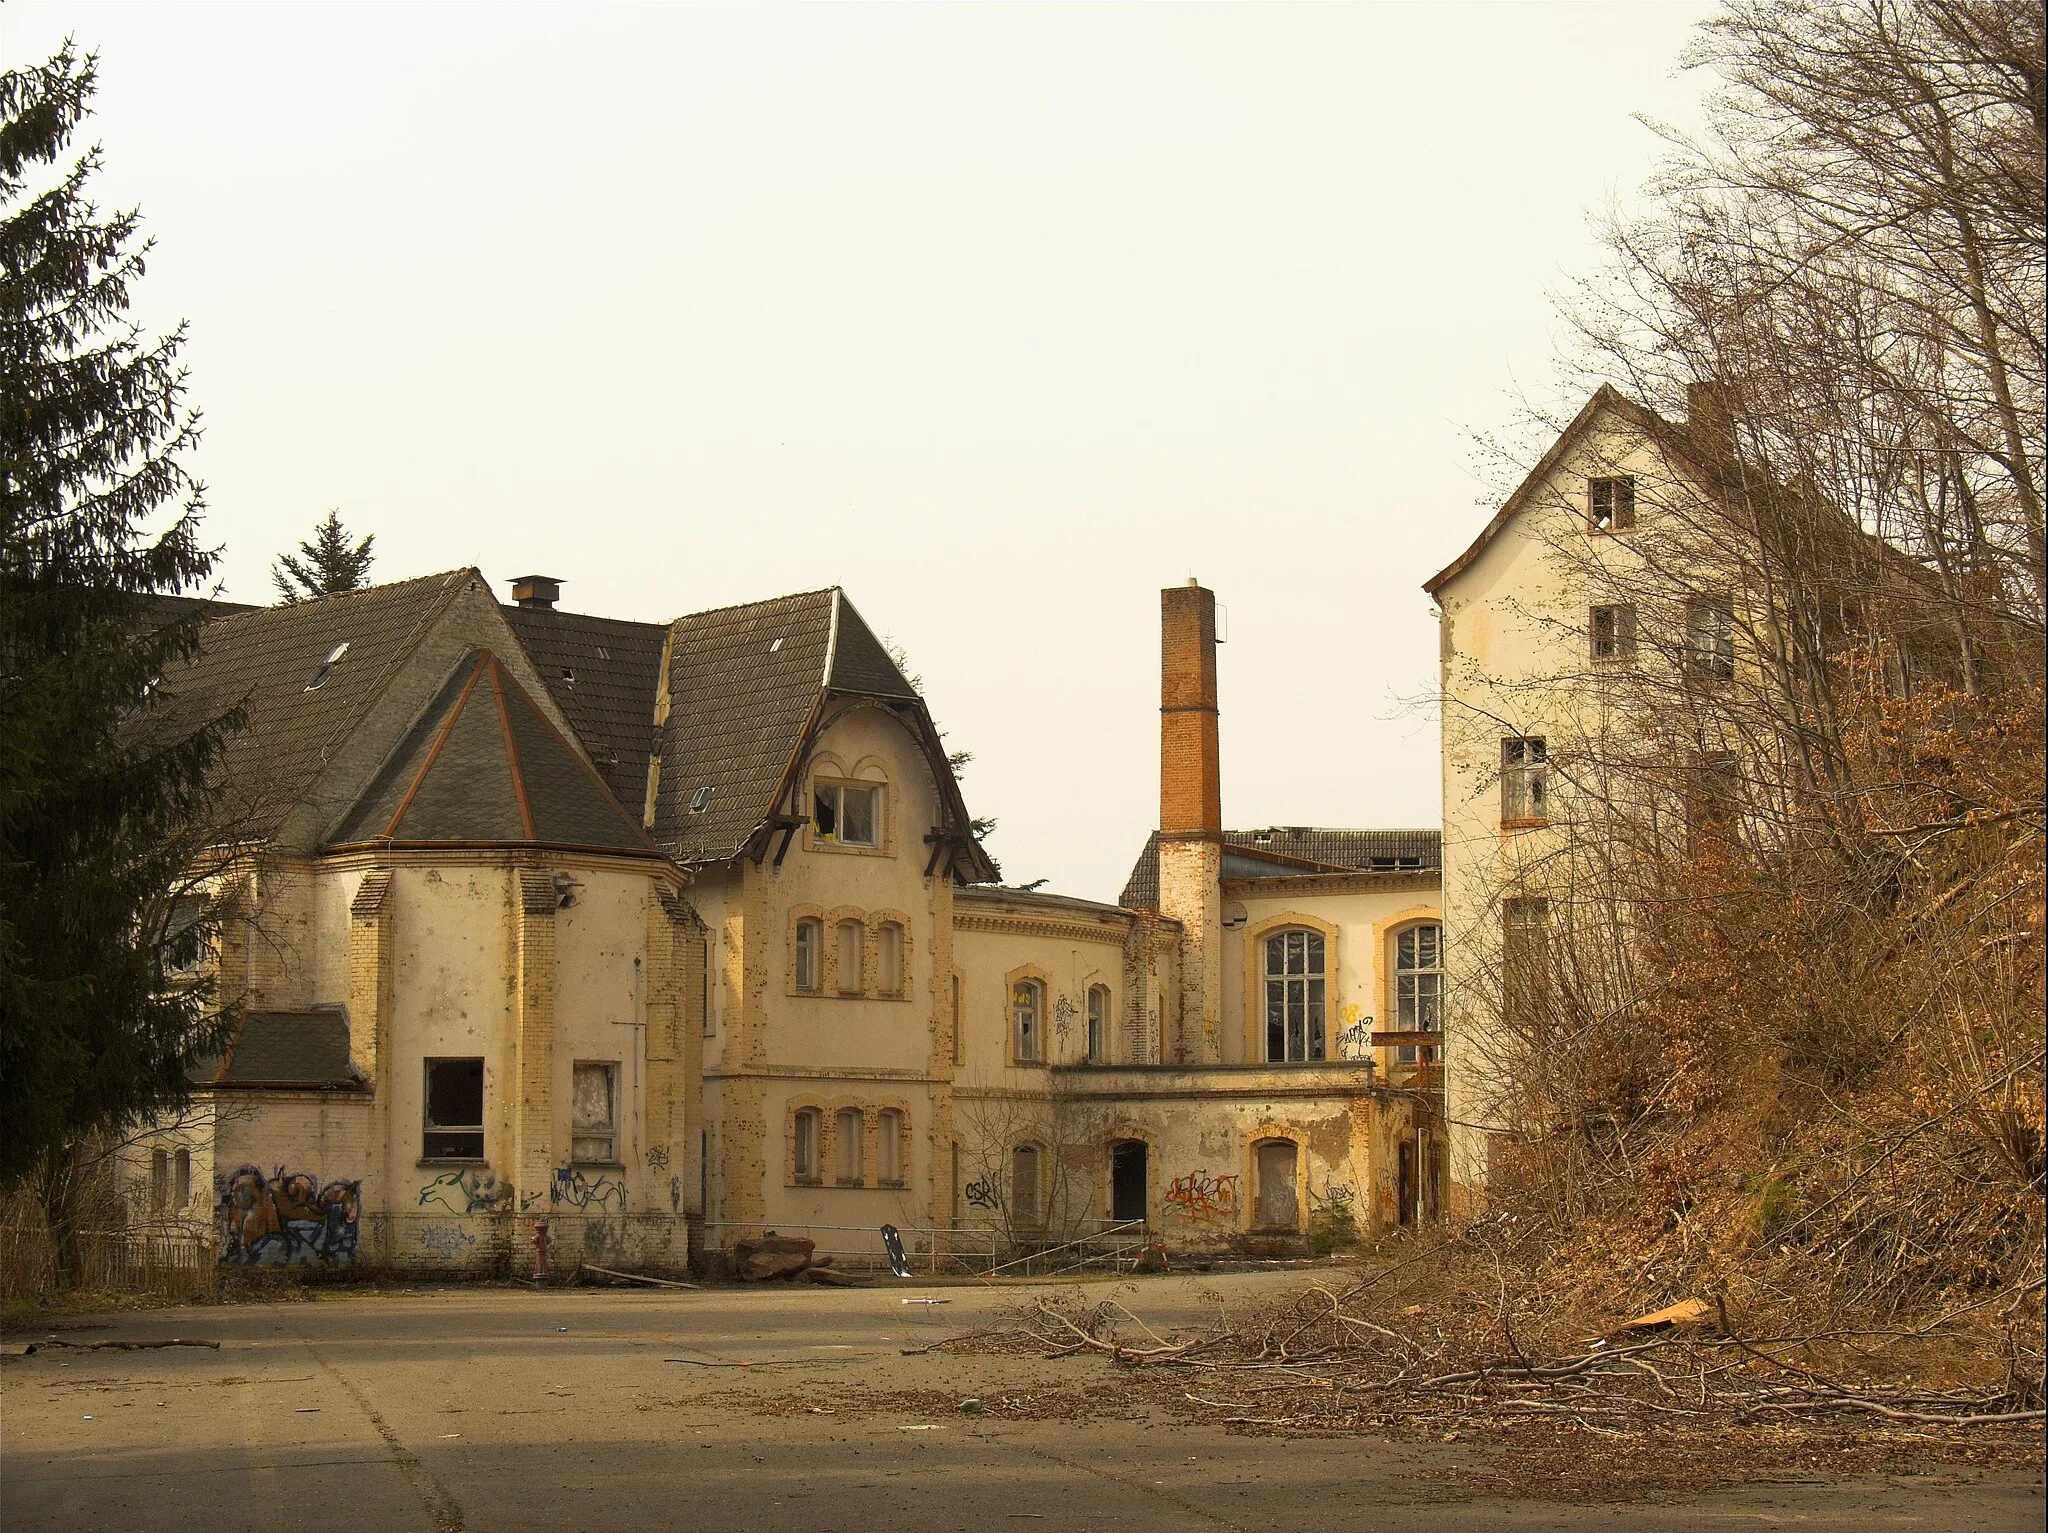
(672, 933)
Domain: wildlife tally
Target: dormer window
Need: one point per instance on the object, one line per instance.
(847, 813)
(324, 672)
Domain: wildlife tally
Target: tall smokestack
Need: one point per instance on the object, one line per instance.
(1191, 812)
(1190, 777)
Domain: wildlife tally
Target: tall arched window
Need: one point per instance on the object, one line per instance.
(1418, 988)
(810, 944)
(1098, 1024)
(889, 1146)
(846, 1135)
(959, 1023)
(849, 958)
(889, 959)
(1027, 1012)
(1295, 995)
(803, 1146)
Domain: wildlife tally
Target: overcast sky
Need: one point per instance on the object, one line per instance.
(1000, 317)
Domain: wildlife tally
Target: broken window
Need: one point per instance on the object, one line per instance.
(803, 1145)
(810, 940)
(889, 959)
(847, 813)
(159, 1179)
(1295, 995)
(850, 936)
(1611, 503)
(1027, 998)
(1418, 989)
(846, 1136)
(454, 1127)
(1710, 639)
(1277, 1205)
(1614, 633)
(1098, 1024)
(1525, 956)
(889, 1146)
(1024, 1185)
(1524, 780)
(594, 1094)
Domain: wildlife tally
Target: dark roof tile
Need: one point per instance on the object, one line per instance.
(1293, 851)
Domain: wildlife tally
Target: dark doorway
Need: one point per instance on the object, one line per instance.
(1407, 1181)
(1127, 1180)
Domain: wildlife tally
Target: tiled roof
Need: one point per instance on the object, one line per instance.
(603, 674)
(1293, 851)
(270, 657)
(743, 684)
(484, 766)
(285, 1048)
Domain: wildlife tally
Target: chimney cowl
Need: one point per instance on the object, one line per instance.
(538, 591)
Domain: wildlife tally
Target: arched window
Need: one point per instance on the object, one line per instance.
(889, 1146)
(1418, 988)
(959, 1024)
(803, 1149)
(1098, 1024)
(159, 1179)
(1295, 993)
(849, 958)
(889, 959)
(846, 1141)
(1024, 1208)
(1027, 1012)
(810, 944)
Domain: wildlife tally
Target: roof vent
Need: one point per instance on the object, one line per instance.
(568, 677)
(538, 591)
(701, 800)
(775, 646)
(324, 671)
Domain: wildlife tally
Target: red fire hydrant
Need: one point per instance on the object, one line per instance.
(540, 1250)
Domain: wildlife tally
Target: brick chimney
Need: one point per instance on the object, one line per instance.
(1191, 813)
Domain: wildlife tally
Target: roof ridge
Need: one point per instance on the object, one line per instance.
(766, 601)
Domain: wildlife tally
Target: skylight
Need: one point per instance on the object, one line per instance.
(324, 671)
(701, 800)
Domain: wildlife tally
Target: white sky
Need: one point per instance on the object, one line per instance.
(1000, 317)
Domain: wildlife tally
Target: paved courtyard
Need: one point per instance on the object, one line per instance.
(483, 1410)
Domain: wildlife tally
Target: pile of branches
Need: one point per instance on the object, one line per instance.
(1343, 1359)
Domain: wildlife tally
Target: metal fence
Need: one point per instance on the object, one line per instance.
(168, 1261)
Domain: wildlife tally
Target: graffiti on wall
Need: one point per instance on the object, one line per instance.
(1355, 1041)
(1063, 1014)
(981, 1193)
(472, 1190)
(657, 1157)
(446, 1241)
(573, 1189)
(1201, 1198)
(287, 1219)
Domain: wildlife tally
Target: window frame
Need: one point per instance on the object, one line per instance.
(828, 797)
(1524, 781)
(1101, 1009)
(890, 946)
(808, 959)
(1032, 1218)
(1023, 1028)
(1620, 639)
(1311, 1009)
(582, 1134)
(429, 1128)
(1421, 1011)
(889, 1157)
(806, 1136)
(1619, 493)
(1710, 645)
(1525, 917)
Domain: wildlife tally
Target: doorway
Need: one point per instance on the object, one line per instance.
(1278, 1208)
(1127, 1188)
(1407, 1174)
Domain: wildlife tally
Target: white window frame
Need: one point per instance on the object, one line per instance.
(810, 943)
(1524, 780)
(1027, 1020)
(594, 1141)
(828, 813)
(1418, 988)
(805, 1127)
(1099, 1013)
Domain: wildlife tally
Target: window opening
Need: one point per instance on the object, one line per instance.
(181, 1177)
(1024, 1185)
(959, 1024)
(701, 800)
(1611, 503)
(1098, 1024)
(159, 1179)
(1418, 989)
(846, 1137)
(1128, 1198)
(1025, 1009)
(1295, 996)
(1710, 639)
(810, 941)
(849, 958)
(1614, 633)
(846, 813)
(1524, 780)
(593, 1134)
(454, 1127)
(889, 1146)
(1525, 955)
(324, 671)
(803, 1152)
(889, 959)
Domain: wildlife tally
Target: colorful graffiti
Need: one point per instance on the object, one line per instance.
(570, 1186)
(287, 1219)
(1201, 1198)
(472, 1190)
(981, 1193)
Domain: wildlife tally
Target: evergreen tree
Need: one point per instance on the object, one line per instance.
(104, 786)
(325, 565)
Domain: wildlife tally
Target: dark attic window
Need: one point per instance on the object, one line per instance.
(324, 671)
(568, 677)
(454, 1127)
